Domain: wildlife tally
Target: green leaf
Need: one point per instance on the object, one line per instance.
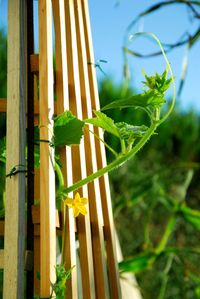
(192, 216)
(145, 100)
(138, 263)
(38, 276)
(103, 121)
(68, 129)
(150, 99)
(62, 275)
(139, 100)
(158, 83)
(3, 149)
(128, 131)
(37, 157)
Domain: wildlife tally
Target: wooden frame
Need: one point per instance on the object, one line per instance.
(15, 185)
(75, 86)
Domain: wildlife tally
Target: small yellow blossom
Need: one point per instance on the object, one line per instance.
(77, 204)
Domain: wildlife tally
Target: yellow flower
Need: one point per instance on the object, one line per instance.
(77, 204)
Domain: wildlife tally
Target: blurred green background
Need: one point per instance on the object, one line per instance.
(163, 174)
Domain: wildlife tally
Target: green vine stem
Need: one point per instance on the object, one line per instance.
(122, 158)
(165, 277)
(168, 230)
(59, 174)
(116, 163)
(109, 147)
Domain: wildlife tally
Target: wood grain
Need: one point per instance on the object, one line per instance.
(15, 186)
(109, 231)
(47, 176)
(62, 104)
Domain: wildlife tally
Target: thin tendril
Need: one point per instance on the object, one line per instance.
(168, 66)
(109, 147)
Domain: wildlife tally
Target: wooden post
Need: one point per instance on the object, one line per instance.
(47, 176)
(15, 185)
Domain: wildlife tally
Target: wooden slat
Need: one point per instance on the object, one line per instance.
(36, 216)
(1, 258)
(101, 162)
(36, 259)
(94, 192)
(47, 177)
(15, 186)
(34, 58)
(27, 262)
(37, 184)
(78, 154)
(2, 227)
(37, 229)
(36, 240)
(30, 149)
(68, 238)
(3, 105)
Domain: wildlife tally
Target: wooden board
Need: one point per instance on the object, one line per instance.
(78, 153)
(47, 176)
(27, 261)
(109, 231)
(62, 94)
(15, 186)
(100, 264)
(36, 216)
(1, 258)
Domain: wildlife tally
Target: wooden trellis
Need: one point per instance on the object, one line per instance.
(73, 83)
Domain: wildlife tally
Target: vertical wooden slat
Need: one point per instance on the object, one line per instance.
(36, 259)
(15, 186)
(93, 188)
(101, 162)
(30, 145)
(47, 177)
(69, 246)
(36, 241)
(78, 153)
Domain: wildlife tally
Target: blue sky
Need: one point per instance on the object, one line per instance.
(109, 22)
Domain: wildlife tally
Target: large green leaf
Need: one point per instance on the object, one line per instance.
(139, 100)
(103, 121)
(137, 263)
(68, 129)
(146, 100)
(152, 98)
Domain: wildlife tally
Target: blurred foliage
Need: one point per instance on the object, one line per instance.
(3, 87)
(3, 63)
(156, 201)
(3, 77)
